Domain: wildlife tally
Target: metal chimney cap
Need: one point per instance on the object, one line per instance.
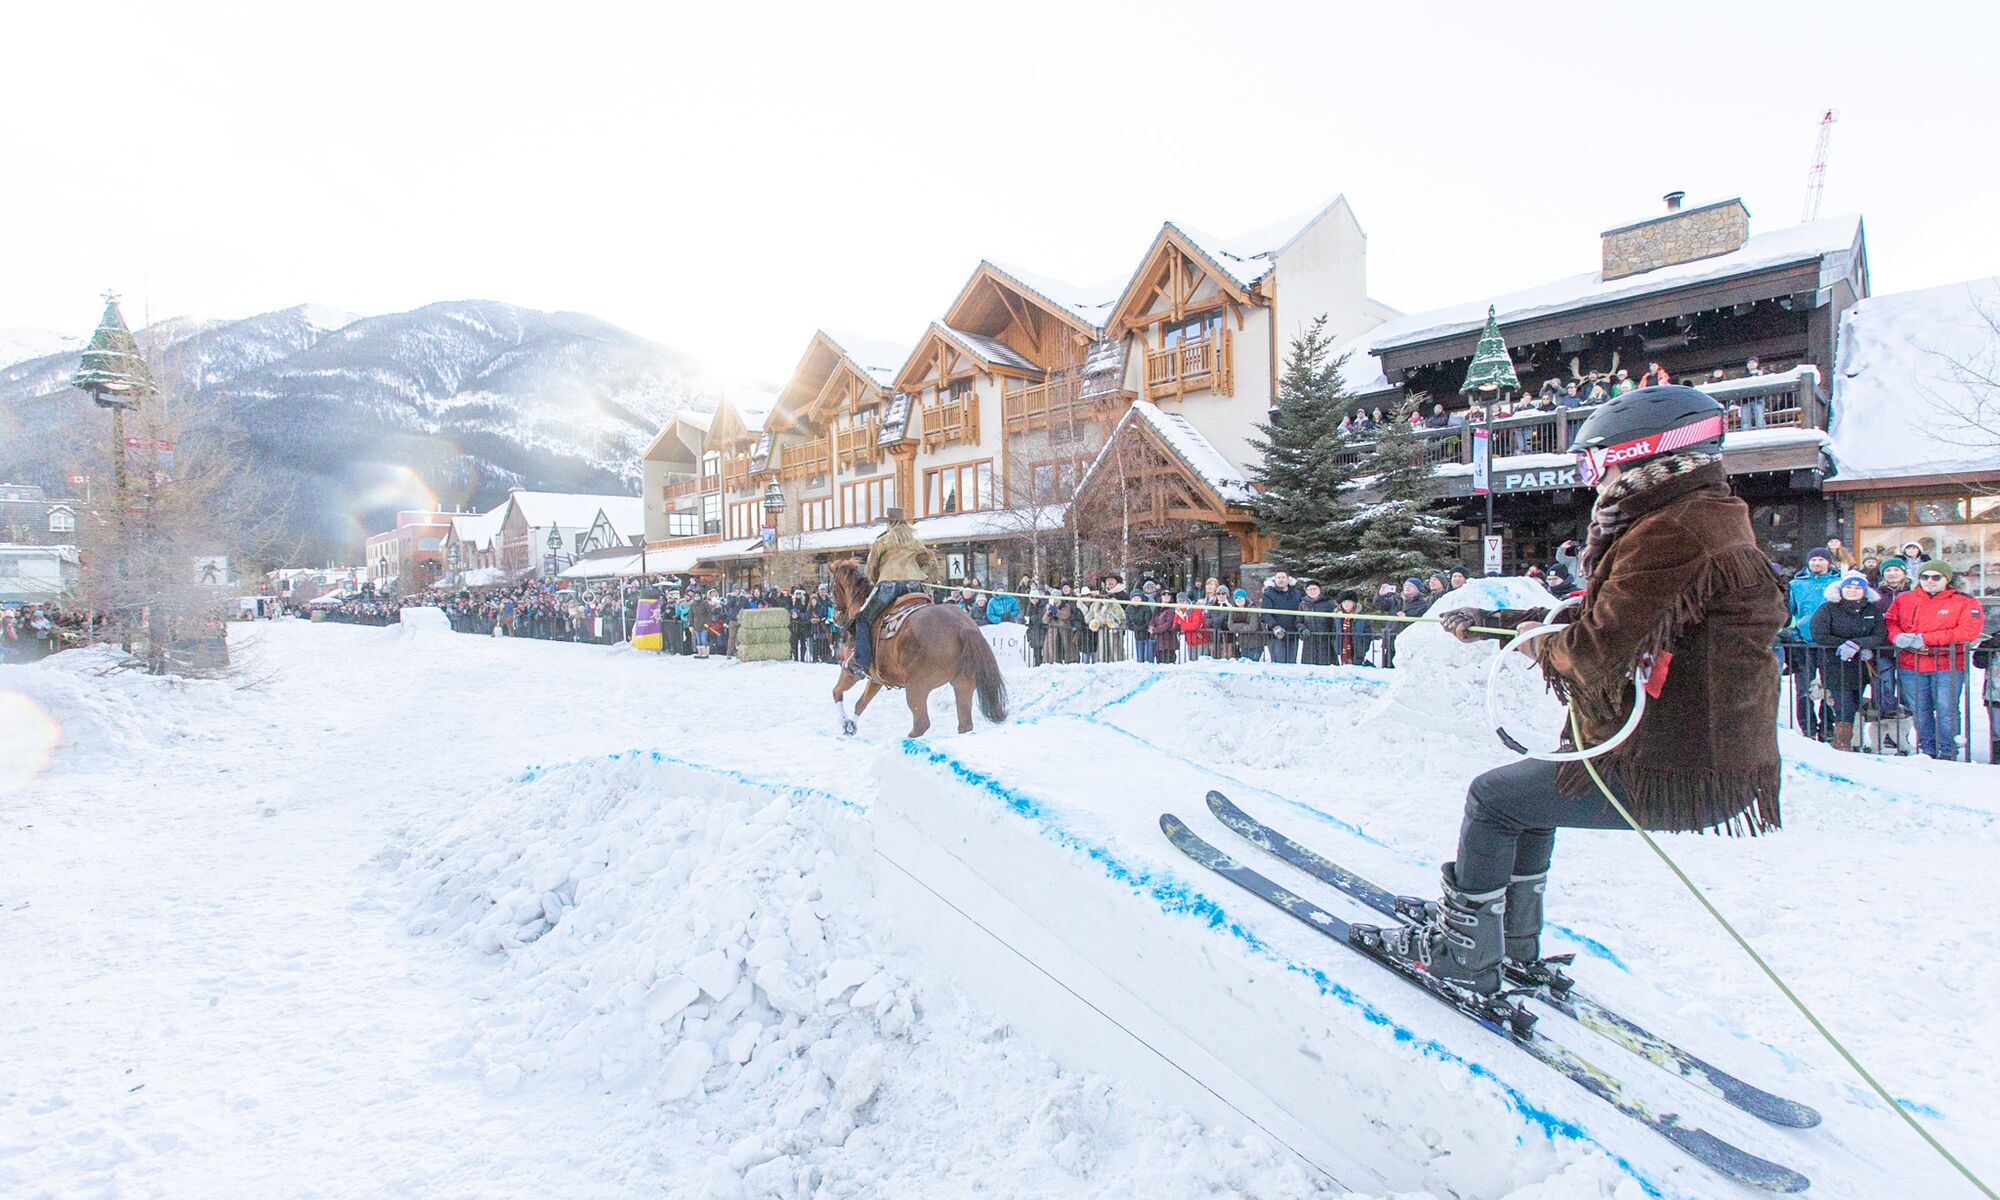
(1673, 200)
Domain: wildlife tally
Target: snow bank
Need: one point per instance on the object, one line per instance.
(1440, 682)
(713, 950)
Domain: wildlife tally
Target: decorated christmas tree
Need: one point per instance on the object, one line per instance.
(1491, 370)
(113, 370)
(1304, 505)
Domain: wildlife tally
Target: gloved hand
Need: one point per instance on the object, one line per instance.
(1910, 641)
(1459, 622)
(1848, 649)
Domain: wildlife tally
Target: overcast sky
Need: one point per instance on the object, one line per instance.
(725, 177)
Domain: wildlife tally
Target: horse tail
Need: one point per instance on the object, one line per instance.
(986, 680)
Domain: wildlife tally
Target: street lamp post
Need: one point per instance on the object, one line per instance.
(555, 544)
(1492, 370)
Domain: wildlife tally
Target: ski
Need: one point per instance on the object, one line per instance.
(1704, 1147)
(1570, 1002)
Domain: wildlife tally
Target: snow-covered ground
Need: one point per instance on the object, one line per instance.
(427, 914)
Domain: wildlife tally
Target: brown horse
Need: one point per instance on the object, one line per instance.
(936, 645)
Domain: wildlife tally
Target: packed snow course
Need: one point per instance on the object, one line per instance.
(428, 914)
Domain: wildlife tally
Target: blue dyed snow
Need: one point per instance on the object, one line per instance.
(731, 774)
(1922, 1110)
(1176, 897)
(1881, 793)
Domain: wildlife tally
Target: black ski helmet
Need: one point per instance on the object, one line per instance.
(1645, 423)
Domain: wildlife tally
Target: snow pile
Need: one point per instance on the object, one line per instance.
(718, 960)
(1440, 682)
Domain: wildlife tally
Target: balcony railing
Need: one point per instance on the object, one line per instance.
(803, 460)
(1057, 404)
(857, 444)
(687, 486)
(735, 473)
(1790, 401)
(1203, 364)
(952, 421)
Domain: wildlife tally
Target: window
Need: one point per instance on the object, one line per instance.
(1054, 481)
(816, 514)
(683, 524)
(967, 487)
(711, 464)
(711, 513)
(746, 518)
(61, 520)
(866, 501)
(1193, 329)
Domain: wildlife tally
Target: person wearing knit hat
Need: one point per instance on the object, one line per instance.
(1846, 632)
(1933, 628)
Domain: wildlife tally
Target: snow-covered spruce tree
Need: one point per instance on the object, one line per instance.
(1304, 505)
(1400, 533)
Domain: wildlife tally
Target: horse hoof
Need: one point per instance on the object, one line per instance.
(848, 728)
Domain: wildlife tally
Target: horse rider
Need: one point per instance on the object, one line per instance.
(897, 564)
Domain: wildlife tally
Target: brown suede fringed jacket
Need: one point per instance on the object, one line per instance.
(1684, 576)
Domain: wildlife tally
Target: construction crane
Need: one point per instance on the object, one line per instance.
(1816, 175)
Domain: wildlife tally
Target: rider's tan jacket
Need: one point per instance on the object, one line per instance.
(897, 556)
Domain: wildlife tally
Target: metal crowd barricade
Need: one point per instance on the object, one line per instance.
(1820, 690)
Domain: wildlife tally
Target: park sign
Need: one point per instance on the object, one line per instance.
(1536, 479)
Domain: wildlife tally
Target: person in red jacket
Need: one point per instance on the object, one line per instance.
(1933, 627)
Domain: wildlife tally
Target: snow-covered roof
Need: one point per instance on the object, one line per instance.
(1828, 240)
(895, 420)
(1248, 257)
(755, 408)
(1091, 304)
(483, 577)
(578, 510)
(877, 358)
(942, 530)
(696, 419)
(987, 350)
(627, 515)
(1913, 383)
(1188, 445)
(478, 529)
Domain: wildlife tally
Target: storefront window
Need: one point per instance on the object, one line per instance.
(1962, 530)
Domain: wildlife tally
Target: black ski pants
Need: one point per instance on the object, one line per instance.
(1511, 817)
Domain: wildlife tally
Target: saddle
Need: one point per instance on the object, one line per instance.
(899, 611)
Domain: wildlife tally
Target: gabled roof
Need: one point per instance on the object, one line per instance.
(741, 416)
(1913, 383)
(681, 423)
(987, 353)
(1248, 257)
(873, 357)
(478, 529)
(871, 362)
(578, 510)
(1081, 308)
(1829, 241)
(1195, 452)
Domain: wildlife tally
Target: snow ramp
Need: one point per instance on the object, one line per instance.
(1028, 858)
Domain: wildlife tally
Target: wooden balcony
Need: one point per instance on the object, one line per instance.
(735, 473)
(952, 421)
(688, 485)
(804, 460)
(1789, 401)
(857, 444)
(1207, 364)
(1059, 404)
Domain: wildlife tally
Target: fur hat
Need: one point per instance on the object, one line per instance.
(1348, 594)
(1832, 591)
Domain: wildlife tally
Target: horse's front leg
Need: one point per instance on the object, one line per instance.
(867, 694)
(847, 680)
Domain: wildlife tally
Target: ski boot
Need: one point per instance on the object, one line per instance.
(1525, 965)
(1459, 942)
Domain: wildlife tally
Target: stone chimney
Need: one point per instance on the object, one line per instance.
(1681, 235)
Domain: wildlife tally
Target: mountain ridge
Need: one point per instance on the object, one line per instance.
(453, 402)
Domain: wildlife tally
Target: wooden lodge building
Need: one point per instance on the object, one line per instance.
(1691, 290)
(1034, 426)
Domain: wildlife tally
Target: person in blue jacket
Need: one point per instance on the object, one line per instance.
(1003, 610)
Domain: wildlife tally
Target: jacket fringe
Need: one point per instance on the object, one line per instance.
(1683, 802)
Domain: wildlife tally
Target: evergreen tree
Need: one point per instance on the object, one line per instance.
(1400, 533)
(1304, 505)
